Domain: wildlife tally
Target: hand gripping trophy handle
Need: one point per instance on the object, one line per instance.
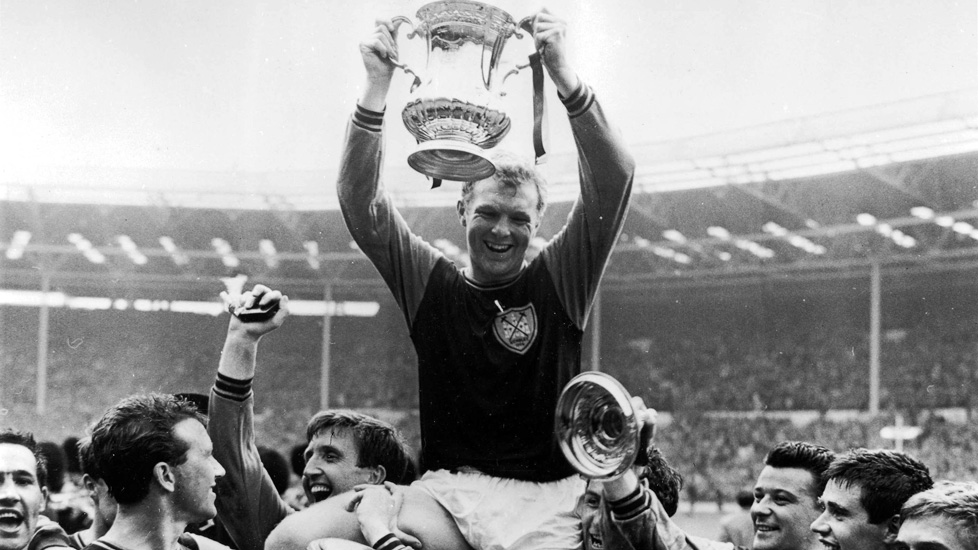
(396, 21)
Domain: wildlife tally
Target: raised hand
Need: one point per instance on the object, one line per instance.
(549, 38)
(258, 298)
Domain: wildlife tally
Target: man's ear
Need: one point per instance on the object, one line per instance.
(164, 475)
(892, 529)
(44, 499)
(377, 475)
(460, 208)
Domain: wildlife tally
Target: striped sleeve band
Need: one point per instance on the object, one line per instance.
(631, 506)
(389, 542)
(232, 388)
(578, 102)
(367, 119)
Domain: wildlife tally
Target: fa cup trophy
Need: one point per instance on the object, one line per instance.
(597, 427)
(453, 110)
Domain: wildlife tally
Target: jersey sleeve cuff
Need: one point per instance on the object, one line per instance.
(631, 506)
(372, 121)
(389, 542)
(232, 388)
(579, 101)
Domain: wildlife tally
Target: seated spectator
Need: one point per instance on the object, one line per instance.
(944, 517)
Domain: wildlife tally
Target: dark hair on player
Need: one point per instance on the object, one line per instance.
(133, 437)
(378, 443)
(663, 480)
(886, 479)
(26, 439)
(803, 455)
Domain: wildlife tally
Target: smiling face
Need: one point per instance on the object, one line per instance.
(500, 220)
(21, 496)
(784, 507)
(844, 523)
(331, 465)
(591, 517)
(197, 475)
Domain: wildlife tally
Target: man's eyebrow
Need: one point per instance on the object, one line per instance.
(17, 473)
(834, 507)
(925, 545)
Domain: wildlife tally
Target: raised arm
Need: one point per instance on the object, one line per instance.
(403, 259)
(634, 516)
(247, 502)
(578, 254)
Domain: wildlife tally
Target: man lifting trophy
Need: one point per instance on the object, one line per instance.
(499, 338)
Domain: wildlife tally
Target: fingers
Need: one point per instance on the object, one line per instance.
(383, 40)
(259, 297)
(354, 502)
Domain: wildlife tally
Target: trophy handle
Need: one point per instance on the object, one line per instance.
(404, 66)
(526, 24)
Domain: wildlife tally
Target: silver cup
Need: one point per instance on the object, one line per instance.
(453, 110)
(597, 427)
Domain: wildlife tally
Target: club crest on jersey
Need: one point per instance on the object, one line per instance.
(516, 328)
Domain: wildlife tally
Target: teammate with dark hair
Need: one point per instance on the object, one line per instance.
(786, 496)
(106, 507)
(344, 448)
(156, 459)
(862, 498)
(23, 495)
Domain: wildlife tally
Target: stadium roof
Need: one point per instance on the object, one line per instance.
(134, 136)
(789, 200)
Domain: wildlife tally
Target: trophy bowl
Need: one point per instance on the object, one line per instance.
(453, 109)
(596, 426)
(452, 135)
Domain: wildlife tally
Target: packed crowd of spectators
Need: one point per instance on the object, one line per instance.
(697, 376)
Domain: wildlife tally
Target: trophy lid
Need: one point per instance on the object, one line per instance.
(466, 12)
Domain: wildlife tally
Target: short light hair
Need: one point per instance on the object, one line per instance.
(955, 501)
(513, 171)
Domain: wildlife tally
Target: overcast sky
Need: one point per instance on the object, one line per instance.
(268, 85)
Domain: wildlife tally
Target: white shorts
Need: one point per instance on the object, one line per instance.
(502, 514)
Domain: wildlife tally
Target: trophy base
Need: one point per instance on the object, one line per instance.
(447, 159)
